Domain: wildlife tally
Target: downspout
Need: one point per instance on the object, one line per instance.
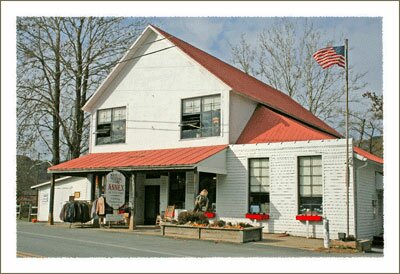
(355, 194)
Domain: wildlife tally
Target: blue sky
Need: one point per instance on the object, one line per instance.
(213, 35)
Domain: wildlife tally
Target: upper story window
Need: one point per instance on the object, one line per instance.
(259, 185)
(201, 117)
(111, 124)
(310, 184)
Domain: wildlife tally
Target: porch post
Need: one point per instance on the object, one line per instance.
(92, 187)
(99, 179)
(196, 180)
(132, 189)
(94, 181)
(51, 202)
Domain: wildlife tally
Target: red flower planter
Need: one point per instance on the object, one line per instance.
(257, 216)
(314, 218)
(209, 214)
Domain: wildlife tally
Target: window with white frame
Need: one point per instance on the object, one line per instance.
(111, 124)
(259, 184)
(201, 117)
(310, 184)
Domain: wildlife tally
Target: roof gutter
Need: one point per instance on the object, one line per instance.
(109, 169)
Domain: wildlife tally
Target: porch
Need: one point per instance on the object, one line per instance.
(153, 179)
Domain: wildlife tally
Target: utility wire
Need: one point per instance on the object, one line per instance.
(156, 40)
(136, 57)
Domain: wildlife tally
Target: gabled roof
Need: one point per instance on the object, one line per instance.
(236, 79)
(368, 155)
(249, 86)
(139, 160)
(267, 126)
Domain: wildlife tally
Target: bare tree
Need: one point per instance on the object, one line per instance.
(61, 61)
(39, 45)
(95, 44)
(366, 125)
(376, 104)
(283, 59)
(243, 56)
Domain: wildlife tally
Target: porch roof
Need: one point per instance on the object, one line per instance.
(368, 155)
(175, 158)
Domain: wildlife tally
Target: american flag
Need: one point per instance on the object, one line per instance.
(330, 56)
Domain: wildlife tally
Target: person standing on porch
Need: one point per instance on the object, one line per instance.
(201, 201)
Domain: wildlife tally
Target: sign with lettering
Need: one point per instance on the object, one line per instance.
(115, 189)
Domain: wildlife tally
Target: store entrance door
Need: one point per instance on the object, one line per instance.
(151, 204)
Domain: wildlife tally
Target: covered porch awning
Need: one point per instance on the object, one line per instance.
(206, 159)
(367, 155)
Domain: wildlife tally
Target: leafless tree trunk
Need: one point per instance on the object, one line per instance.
(40, 48)
(61, 61)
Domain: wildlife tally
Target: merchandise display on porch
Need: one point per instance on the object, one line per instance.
(201, 201)
(100, 208)
(75, 211)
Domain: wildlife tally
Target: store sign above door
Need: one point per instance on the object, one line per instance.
(115, 189)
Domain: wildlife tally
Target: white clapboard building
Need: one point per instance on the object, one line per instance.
(175, 120)
(65, 188)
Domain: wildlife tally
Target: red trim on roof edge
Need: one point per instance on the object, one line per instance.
(248, 85)
(141, 158)
(267, 126)
(368, 155)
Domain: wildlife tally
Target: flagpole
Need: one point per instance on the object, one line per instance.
(347, 134)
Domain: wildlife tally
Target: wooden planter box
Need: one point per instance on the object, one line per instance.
(249, 234)
(259, 217)
(311, 218)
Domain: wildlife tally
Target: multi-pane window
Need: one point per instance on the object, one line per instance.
(310, 184)
(259, 185)
(111, 126)
(201, 117)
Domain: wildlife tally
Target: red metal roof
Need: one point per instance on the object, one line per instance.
(368, 155)
(249, 86)
(143, 158)
(267, 126)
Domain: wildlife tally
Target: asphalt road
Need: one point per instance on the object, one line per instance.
(41, 240)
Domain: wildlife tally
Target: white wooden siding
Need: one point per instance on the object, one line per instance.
(63, 189)
(164, 187)
(367, 225)
(190, 190)
(241, 109)
(151, 88)
(232, 189)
